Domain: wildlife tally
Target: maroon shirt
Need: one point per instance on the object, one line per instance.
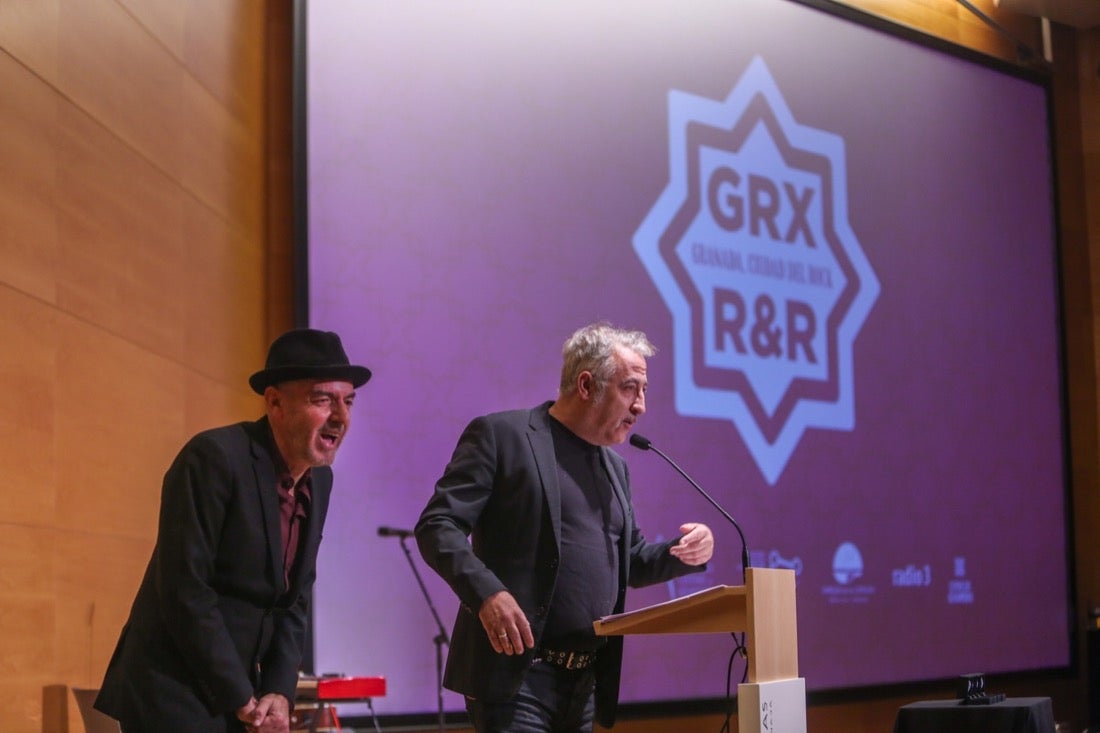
(293, 511)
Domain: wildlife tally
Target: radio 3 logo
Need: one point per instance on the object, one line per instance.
(751, 250)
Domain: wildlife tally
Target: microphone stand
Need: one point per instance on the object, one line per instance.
(440, 638)
(645, 444)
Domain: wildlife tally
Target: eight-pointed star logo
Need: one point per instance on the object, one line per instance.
(751, 250)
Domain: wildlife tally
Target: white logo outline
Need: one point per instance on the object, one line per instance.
(771, 451)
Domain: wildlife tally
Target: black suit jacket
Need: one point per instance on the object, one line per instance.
(501, 489)
(213, 622)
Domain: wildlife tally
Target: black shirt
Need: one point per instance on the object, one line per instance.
(592, 525)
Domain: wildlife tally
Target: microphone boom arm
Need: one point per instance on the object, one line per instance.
(645, 444)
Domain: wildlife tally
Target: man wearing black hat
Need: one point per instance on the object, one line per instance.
(215, 635)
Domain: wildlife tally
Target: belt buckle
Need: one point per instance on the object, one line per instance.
(569, 660)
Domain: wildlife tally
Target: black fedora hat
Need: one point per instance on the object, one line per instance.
(305, 353)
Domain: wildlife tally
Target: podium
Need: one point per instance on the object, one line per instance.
(773, 700)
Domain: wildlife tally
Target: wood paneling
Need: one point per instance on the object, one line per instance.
(27, 423)
(28, 32)
(953, 22)
(119, 425)
(111, 68)
(96, 575)
(228, 63)
(226, 287)
(28, 171)
(133, 297)
(222, 161)
(121, 237)
(163, 20)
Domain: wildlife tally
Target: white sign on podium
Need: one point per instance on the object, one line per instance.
(772, 707)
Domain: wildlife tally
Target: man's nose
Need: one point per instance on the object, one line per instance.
(340, 413)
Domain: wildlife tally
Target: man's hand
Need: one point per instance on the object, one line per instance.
(247, 712)
(269, 714)
(507, 626)
(696, 546)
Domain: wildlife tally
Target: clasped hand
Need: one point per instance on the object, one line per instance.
(269, 714)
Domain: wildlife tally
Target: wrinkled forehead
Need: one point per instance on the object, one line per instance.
(629, 363)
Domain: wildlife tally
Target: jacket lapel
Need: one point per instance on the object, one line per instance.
(542, 448)
(268, 497)
(628, 520)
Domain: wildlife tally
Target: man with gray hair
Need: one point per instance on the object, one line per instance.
(533, 528)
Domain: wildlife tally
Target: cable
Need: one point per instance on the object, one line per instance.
(739, 647)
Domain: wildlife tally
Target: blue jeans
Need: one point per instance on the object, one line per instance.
(550, 700)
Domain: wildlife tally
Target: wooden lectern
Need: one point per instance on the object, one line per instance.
(774, 698)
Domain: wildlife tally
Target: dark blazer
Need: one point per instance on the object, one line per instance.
(501, 489)
(213, 622)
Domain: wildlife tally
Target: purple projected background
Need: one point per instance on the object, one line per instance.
(477, 174)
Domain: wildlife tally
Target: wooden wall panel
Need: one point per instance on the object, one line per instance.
(27, 602)
(230, 65)
(222, 161)
(164, 20)
(119, 425)
(121, 235)
(28, 169)
(208, 403)
(28, 32)
(225, 287)
(952, 22)
(26, 616)
(133, 297)
(95, 577)
(27, 424)
(1087, 497)
(126, 79)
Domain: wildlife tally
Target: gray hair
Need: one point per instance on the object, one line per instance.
(592, 348)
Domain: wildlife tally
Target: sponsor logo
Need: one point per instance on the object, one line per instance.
(911, 576)
(959, 590)
(773, 559)
(750, 247)
(847, 569)
(847, 564)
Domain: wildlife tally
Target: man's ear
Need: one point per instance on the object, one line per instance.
(586, 385)
(272, 397)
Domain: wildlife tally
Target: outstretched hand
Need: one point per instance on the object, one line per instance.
(696, 545)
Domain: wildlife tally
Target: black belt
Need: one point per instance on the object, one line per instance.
(566, 660)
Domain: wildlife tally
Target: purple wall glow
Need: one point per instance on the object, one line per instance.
(479, 175)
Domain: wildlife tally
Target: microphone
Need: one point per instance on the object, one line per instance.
(391, 532)
(644, 443)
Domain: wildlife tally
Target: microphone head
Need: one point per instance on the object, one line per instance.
(639, 441)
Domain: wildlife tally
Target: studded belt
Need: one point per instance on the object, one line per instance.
(566, 660)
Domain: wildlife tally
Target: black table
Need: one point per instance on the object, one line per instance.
(1013, 715)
